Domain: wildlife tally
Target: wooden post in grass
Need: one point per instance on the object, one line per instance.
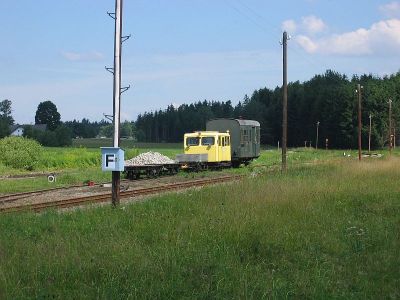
(369, 134)
(359, 87)
(284, 110)
(390, 126)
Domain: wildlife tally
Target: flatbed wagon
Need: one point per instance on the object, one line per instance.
(150, 171)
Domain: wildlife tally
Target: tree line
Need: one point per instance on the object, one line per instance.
(329, 99)
(56, 133)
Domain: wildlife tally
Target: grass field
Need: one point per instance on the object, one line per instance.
(79, 164)
(75, 165)
(319, 231)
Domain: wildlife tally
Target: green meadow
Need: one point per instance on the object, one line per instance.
(319, 231)
(74, 165)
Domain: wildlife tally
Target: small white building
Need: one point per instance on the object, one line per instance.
(16, 130)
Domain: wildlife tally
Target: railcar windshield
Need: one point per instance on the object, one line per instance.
(207, 141)
(192, 141)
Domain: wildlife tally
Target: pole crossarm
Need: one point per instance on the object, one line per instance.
(125, 38)
(111, 14)
(109, 117)
(109, 69)
(124, 89)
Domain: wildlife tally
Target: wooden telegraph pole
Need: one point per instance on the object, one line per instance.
(369, 133)
(284, 110)
(316, 142)
(390, 126)
(359, 87)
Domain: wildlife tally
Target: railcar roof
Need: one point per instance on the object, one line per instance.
(205, 133)
(241, 121)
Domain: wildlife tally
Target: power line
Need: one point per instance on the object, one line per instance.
(269, 31)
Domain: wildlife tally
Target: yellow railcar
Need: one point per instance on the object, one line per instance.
(210, 147)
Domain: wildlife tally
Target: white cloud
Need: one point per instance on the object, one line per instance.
(306, 43)
(391, 9)
(77, 56)
(381, 38)
(289, 26)
(312, 24)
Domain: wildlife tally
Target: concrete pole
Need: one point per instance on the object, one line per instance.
(116, 175)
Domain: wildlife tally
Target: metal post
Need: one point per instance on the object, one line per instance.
(359, 87)
(369, 134)
(117, 95)
(390, 126)
(284, 108)
(316, 142)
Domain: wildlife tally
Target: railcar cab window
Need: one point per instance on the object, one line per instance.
(192, 141)
(207, 141)
(244, 136)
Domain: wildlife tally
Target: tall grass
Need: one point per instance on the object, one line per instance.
(330, 231)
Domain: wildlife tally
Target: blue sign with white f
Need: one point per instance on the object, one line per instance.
(112, 159)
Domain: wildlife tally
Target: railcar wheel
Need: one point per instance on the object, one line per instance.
(236, 164)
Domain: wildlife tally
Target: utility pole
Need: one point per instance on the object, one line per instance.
(394, 136)
(359, 87)
(117, 91)
(369, 134)
(390, 126)
(316, 142)
(284, 110)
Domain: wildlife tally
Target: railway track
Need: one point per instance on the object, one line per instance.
(100, 198)
(9, 198)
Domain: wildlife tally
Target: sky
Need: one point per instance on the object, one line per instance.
(183, 51)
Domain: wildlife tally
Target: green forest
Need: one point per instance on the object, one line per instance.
(330, 99)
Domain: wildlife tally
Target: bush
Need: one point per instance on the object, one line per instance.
(20, 153)
(60, 137)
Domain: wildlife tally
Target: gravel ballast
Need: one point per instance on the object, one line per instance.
(149, 158)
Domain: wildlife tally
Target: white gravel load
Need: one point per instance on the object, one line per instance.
(149, 158)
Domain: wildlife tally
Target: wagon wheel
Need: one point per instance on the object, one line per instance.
(152, 173)
(173, 171)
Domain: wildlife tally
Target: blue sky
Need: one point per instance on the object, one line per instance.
(183, 51)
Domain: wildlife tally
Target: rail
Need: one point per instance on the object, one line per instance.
(72, 202)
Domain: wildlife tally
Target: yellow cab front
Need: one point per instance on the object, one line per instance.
(215, 144)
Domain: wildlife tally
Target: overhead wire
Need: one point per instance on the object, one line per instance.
(272, 29)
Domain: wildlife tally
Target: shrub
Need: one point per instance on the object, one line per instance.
(20, 153)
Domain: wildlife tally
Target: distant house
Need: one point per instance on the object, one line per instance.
(18, 130)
